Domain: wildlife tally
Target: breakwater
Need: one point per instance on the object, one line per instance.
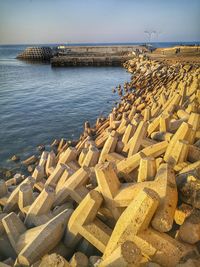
(94, 55)
(126, 192)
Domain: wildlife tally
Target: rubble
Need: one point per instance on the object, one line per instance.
(127, 193)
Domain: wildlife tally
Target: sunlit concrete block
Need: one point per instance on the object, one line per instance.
(17, 179)
(42, 205)
(12, 201)
(147, 169)
(129, 164)
(181, 134)
(56, 175)
(133, 220)
(153, 126)
(178, 153)
(182, 114)
(43, 159)
(136, 140)
(167, 191)
(69, 155)
(82, 156)
(181, 213)
(194, 121)
(132, 113)
(126, 254)
(26, 197)
(130, 130)
(40, 240)
(38, 173)
(83, 223)
(122, 127)
(164, 123)
(51, 162)
(114, 157)
(65, 176)
(147, 114)
(92, 157)
(109, 146)
(71, 185)
(108, 184)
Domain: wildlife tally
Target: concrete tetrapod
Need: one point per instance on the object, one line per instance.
(32, 244)
(83, 223)
(133, 220)
(42, 205)
(70, 187)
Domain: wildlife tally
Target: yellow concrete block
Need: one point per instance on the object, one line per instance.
(147, 169)
(133, 220)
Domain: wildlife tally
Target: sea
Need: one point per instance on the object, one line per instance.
(39, 104)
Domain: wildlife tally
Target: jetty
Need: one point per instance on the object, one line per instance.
(95, 55)
(126, 193)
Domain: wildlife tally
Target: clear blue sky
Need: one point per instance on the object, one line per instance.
(60, 21)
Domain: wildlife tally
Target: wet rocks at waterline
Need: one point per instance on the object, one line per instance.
(126, 194)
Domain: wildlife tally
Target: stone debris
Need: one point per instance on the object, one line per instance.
(127, 193)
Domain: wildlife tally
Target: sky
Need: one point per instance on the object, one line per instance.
(98, 21)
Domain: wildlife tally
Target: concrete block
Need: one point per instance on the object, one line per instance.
(26, 197)
(133, 220)
(69, 155)
(12, 201)
(84, 223)
(82, 156)
(108, 184)
(91, 158)
(69, 188)
(178, 153)
(3, 188)
(42, 239)
(181, 134)
(109, 146)
(182, 212)
(42, 205)
(167, 190)
(38, 173)
(51, 162)
(56, 175)
(162, 249)
(126, 254)
(136, 140)
(147, 169)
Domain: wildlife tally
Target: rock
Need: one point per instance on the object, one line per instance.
(15, 158)
(31, 168)
(30, 160)
(41, 148)
(54, 260)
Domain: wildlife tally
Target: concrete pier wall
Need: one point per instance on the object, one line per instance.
(94, 55)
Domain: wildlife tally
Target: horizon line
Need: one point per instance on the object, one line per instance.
(70, 43)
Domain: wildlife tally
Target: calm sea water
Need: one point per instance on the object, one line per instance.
(39, 103)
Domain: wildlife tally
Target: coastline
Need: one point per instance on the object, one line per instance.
(139, 159)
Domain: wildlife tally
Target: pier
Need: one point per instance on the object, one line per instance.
(95, 55)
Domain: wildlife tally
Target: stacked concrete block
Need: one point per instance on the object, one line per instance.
(126, 193)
